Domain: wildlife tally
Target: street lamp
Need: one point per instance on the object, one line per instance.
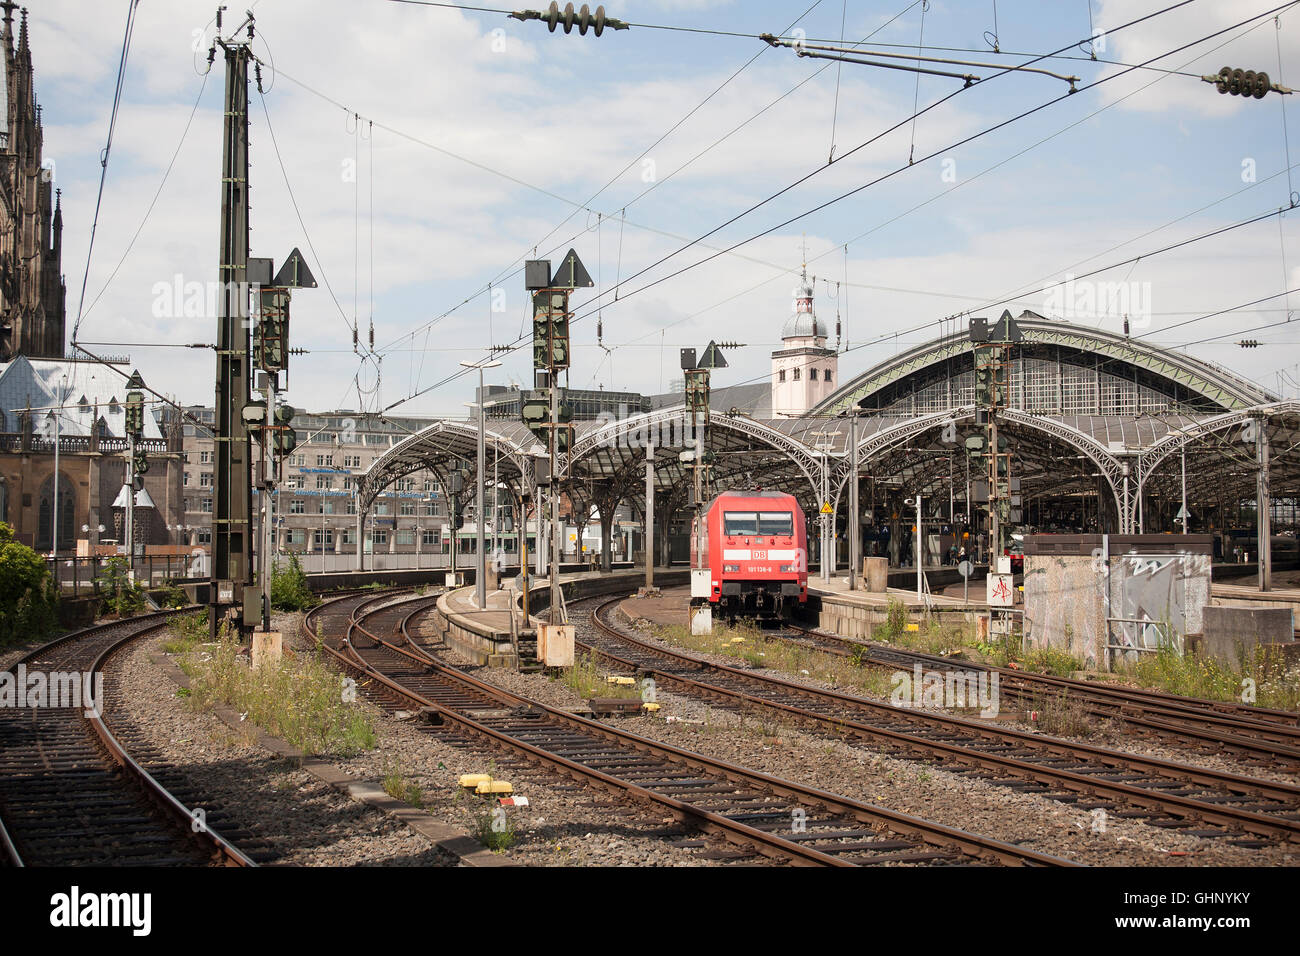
(480, 577)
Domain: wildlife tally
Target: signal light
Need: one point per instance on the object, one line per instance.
(283, 437)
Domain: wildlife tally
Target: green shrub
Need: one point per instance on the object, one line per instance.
(289, 590)
(28, 597)
(118, 594)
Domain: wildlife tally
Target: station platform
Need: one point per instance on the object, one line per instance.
(484, 634)
(1241, 594)
(857, 613)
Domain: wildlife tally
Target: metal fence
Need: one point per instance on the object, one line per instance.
(77, 576)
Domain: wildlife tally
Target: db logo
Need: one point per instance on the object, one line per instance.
(760, 555)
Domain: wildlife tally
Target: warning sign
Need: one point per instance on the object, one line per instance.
(826, 508)
(1001, 592)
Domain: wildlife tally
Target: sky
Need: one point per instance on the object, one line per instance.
(418, 155)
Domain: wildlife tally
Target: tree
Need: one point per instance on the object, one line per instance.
(28, 600)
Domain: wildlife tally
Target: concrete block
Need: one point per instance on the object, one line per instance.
(875, 574)
(555, 644)
(268, 648)
(1232, 633)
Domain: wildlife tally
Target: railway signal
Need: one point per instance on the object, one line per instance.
(551, 356)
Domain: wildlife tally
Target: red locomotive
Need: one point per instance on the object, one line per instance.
(757, 553)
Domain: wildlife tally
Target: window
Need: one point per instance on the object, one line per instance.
(205, 504)
(775, 522)
(739, 522)
(294, 481)
(381, 536)
(205, 536)
(780, 376)
(429, 538)
(324, 461)
(328, 535)
(324, 481)
(205, 458)
(205, 480)
(376, 440)
(298, 460)
(297, 507)
(297, 536)
(185, 480)
(406, 538)
(381, 509)
(828, 375)
(352, 506)
(351, 461)
(349, 536)
(796, 374)
(327, 507)
(407, 508)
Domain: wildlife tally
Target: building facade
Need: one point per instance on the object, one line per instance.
(79, 406)
(315, 505)
(32, 293)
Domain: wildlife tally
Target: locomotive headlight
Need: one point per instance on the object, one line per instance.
(787, 569)
(731, 569)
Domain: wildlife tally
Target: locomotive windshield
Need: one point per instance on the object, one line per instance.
(757, 523)
(739, 522)
(775, 522)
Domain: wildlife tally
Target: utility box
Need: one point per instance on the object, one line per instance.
(555, 645)
(701, 582)
(455, 579)
(1103, 597)
(702, 620)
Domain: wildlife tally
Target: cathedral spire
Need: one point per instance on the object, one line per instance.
(7, 35)
(22, 33)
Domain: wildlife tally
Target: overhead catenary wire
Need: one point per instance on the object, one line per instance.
(149, 209)
(887, 175)
(103, 158)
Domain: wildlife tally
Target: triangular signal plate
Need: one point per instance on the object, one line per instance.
(294, 273)
(713, 357)
(571, 273)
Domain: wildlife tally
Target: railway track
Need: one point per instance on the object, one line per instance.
(777, 818)
(71, 793)
(1243, 810)
(1256, 735)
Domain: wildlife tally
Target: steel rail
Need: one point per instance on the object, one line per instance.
(170, 809)
(945, 838)
(1190, 809)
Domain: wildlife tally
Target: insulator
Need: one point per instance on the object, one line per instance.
(552, 16)
(1235, 81)
(1262, 85)
(600, 330)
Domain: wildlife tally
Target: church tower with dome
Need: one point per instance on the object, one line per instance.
(804, 370)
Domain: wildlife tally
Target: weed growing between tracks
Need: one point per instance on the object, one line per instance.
(586, 679)
(399, 787)
(1275, 679)
(298, 698)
